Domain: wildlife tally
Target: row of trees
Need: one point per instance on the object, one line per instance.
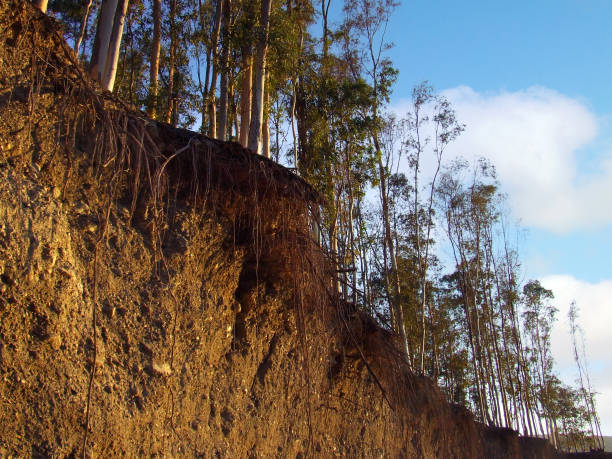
(284, 80)
(187, 60)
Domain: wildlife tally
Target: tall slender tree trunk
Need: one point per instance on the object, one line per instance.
(171, 90)
(102, 39)
(499, 375)
(503, 356)
(257, 109)
(365, 277)
(395, 293)
(302, 128)
(107, 43)
(83, 28)
(493, 375)
(202, 86)
(482, 367)
(333, 248)
(469, 315)
(212, 105)
(585, 389)
(292, 122)
(223, 104)
(424, 261)
(417, 232)
(245, 96)
(154, 60)
(325, 4)
(293, 105)
(212, 102)
(110, 71)
(234, 110)
(223, 88)
(172, 64)
(132, 70)
(351, 218)
(265, 127)
(468, 294)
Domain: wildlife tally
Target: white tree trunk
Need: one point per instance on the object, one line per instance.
(102, 40)
(265, 138)
(114, 46)
(212, 103)
(257, 107)
(170, 109)
(265, 135)
(245, 98)
(223, 89)
(154, 60)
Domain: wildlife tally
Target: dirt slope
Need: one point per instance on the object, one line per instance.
(160, 294)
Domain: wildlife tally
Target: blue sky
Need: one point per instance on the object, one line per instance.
(562, 44)
(533, 82)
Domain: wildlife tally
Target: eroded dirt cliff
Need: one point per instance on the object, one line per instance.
(161, 294)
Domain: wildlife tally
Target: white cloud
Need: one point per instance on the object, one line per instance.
(536, 139)
(594, 301)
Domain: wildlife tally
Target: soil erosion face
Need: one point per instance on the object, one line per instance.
(160, 293)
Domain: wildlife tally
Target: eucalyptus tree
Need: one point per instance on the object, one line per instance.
(75, 17)
(365, 46)
(213, 63)
(224, 65)
(105, 54)
(584, 381)
(467, 209)
(133, 73)
(245, 96)
(539, 316)
(431, 125)
(83, 27)
(453, 361)
(154, 59)
(286, 62)
(259, 78)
